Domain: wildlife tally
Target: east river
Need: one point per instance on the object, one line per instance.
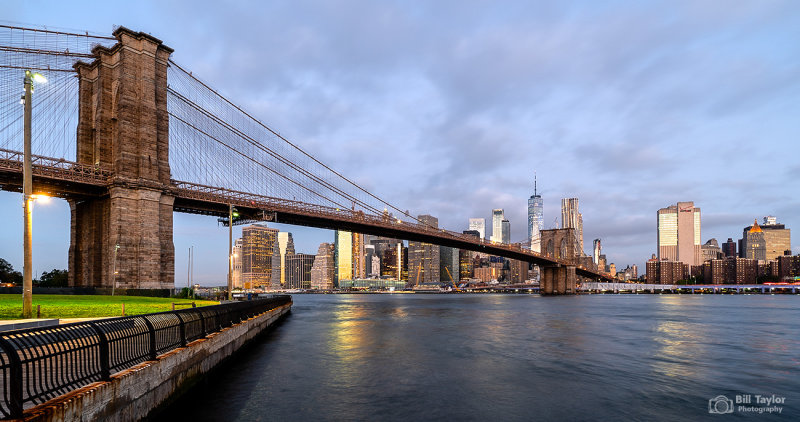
(486, 357)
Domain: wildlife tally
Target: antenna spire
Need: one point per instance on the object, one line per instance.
(534, 183)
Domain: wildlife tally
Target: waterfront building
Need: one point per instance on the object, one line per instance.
(731, 270)
(449, 270)
(497, 225)
(376, 266)
(679, 233)
(662, 271)
(535, 219)
(487, 274)
(282, 248)
(518, 271)
(788, 267)
(237, 265)
(479, 225)
(729, 248)
(777, 240)
(298, 271)
(258, 244)
(571, 218)
(323, 269)
(423, 258)
(506, 231)
(710, 250)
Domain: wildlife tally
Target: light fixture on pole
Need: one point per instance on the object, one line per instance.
(27, 196)
(114, 271)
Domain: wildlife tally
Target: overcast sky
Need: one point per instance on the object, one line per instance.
(448, 108)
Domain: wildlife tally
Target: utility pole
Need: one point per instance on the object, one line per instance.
(230, 252)
(27, 191)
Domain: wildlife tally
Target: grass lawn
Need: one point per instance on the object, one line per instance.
(86, 306)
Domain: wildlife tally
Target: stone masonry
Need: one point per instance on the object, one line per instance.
(123, 126)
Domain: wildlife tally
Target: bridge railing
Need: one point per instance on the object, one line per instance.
(41, 364)
(245, 199)
(55, 168)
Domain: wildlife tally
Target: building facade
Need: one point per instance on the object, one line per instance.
(258, 245)
(497, 225)
(283, 247)
(323, 268)
(777, 239)
(423, 258)
(661, 271)
(298, 271)
(679, 233)
(479, 225)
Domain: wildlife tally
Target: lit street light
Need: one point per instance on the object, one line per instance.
(27, 196)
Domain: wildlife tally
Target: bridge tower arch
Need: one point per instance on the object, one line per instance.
(123, 126)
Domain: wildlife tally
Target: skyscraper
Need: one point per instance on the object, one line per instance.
(596, 251)
(497, 225)
(679, 233)
(729, 248)
(535, 219)
(322, 271)
(343, 256)
(258, 244)
(571, 218)
(506, 231)
(777, 239)
(282, 248)
(298, 271)
(237, 264)
(479, 225)
(423, 258)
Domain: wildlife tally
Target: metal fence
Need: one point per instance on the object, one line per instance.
(40, 364)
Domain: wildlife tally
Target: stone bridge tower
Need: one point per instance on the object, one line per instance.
(123, 126)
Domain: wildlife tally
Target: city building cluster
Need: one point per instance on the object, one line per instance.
(762, 254)
(264, 258)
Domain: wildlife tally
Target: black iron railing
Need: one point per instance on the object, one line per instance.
(43, 363)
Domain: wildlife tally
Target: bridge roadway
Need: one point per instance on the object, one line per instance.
(70, 180)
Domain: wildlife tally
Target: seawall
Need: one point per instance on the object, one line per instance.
(132, 394)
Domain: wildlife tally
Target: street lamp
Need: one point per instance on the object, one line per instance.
(114, 271)
(27, 196)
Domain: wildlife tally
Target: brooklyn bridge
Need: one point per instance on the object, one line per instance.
(128, 137)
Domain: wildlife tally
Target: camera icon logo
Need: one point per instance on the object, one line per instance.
(720, 405)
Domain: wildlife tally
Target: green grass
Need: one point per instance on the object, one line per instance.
(87, 306)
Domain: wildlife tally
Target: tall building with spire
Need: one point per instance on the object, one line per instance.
(535, 219)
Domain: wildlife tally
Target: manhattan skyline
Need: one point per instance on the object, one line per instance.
(448, 109)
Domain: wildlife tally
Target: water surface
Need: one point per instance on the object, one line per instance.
(509, 357)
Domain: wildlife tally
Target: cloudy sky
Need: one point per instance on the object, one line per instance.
(449, 107)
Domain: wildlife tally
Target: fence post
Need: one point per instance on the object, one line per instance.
(182, 328)
(152, 332)
(105, 367)
(15, 383)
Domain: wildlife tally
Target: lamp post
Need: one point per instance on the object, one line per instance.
(114, 272)
(27, 196)
(230, 252)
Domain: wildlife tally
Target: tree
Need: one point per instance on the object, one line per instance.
(7, 273)
(54, 278)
